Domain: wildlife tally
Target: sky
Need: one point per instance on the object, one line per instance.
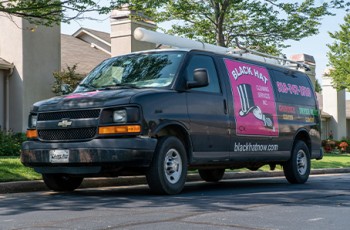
(315, 45)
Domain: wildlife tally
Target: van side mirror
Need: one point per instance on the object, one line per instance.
(200, 79)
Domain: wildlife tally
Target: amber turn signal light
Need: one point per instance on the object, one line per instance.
(32, 133)
(123, 129)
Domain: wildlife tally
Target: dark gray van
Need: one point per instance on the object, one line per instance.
(159, 113)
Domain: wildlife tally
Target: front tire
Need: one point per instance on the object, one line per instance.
(168, 171)
(62, 182)
(297, 168)
(211, 175)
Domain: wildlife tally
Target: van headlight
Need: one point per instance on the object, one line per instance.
(33, 118)
(120, 116)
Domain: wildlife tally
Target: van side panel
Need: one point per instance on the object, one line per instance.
(297, 109)
(285, 102)
(255, 133)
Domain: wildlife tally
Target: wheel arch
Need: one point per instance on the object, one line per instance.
(178, 130)
(302, 135)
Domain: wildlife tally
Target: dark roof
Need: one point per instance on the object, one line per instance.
(102, 35)
(75, 51)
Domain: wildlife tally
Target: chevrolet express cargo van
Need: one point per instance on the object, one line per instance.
(159, 113)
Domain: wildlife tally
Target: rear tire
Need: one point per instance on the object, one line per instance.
(62, 182)
(211, 175)
(297, 168)
(168, 171)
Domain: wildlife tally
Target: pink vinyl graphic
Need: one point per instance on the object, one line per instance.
(254, 100)
(82, 95)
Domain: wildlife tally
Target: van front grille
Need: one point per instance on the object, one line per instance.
(67, 134)
(78, 114)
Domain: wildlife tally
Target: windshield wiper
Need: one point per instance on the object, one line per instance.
(119, 86)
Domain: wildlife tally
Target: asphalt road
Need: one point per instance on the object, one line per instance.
(264, 203)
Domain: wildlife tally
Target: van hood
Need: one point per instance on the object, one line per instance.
(92, 99)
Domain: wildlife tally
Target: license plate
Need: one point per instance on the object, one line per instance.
(59, 156)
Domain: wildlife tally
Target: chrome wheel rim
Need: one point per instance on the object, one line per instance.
(301, 162)
(172, 166)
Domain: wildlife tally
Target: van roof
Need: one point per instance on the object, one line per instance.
(244, 56)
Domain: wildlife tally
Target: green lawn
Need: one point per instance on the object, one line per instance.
(11, 168)
(331, 160)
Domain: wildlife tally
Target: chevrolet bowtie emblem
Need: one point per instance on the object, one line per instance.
(64, 123)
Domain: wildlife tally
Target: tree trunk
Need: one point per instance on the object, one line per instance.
(220, 13)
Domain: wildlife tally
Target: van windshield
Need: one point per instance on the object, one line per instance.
(135, 70)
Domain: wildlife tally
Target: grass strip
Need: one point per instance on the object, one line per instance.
(332, 160)
(11, 169)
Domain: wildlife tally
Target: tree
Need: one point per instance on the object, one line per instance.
(49, 12)
(339, 56)
(66, 81)
(262, 25)
(318, 87)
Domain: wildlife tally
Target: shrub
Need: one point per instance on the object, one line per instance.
(334, 146)
(10, 143)
(343, 146)
(68, 77)
(330, 145)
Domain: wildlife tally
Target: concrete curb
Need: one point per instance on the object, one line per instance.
(33, 186)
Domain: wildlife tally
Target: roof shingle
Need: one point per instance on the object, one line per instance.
(103, 35)
(75, 51)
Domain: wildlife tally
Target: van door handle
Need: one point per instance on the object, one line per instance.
(225, 106)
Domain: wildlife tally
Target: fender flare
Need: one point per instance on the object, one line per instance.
(302, 134)
(171, 124)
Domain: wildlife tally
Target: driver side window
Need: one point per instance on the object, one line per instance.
(206, 62)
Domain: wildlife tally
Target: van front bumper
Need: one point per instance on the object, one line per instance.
(90, 156)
